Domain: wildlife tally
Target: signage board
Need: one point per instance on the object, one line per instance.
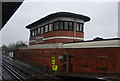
(53, 61)
(60, 57)
(55, 67)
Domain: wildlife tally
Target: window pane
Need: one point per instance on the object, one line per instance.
(32, 32)
(56, 26)
(41, 30)
(81, 27)
(35, 32)
(70, 26)
(66, 25)
(50, 27)
(38, 31)
(60, 25)
(46, 28)
(77, 26)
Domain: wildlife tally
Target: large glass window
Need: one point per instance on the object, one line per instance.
(63, 25)
(70, 26)
(79, 27)
(46, 28)
(32, 33)
(60, 25)
(50, 27)
(55, 25)
(38, 30)
(42, 30)
(66, 25)
(82, 28)
(35, 31)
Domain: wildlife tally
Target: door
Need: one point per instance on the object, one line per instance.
(64, 62)
(70, 63)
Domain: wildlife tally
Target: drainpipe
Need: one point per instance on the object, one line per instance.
(74, 26)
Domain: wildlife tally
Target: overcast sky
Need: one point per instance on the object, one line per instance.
(103, 23)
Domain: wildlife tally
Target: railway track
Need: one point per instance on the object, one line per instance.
(19, 72)
(24, 73)
(16, 76)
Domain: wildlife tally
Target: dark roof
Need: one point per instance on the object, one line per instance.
(101, 39)
(59, 14)
(96, 39)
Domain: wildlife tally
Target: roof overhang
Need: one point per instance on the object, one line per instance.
(59, 14)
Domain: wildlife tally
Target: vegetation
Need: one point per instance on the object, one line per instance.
(13, 46)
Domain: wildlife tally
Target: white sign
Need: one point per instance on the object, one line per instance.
(39, 39)
(60, 57)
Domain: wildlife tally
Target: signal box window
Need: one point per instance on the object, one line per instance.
(70, 26)
(55, 25)
(46, 28)
(63, 25)
(34, 32)
(50, 27)
(31, 32)
(38, 30)
(60, 25)
(42, 30)
(79, 27)
(66, 25)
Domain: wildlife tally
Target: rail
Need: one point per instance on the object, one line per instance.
(33, 73)
(15, 74)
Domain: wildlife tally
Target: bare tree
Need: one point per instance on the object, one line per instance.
(12, 47)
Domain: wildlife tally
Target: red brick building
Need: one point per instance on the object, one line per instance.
(61, 35)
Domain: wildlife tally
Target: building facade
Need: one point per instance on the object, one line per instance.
(60, 36)
(59, 27)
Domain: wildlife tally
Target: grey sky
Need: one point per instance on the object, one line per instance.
(104, 18)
